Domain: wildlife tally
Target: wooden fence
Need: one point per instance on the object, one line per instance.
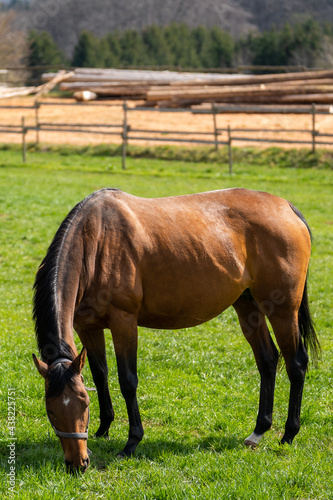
(216, 137)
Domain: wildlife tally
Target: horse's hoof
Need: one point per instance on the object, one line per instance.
(286, 440)
(253, 440)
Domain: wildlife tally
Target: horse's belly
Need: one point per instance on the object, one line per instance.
(189, 281)
(170, 322)
(187, 304)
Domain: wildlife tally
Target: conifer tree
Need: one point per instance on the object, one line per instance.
(201, 39)
(113, 56)
(178, 38)
(156, 48)
(86, 52)
(218, 52)
(132, 49)
(43, 51)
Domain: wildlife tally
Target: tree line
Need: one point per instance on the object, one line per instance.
(308, 44)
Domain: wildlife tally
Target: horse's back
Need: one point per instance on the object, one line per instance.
(215, 215)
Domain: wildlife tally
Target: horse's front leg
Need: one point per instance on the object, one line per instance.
(125, 337)
(95, 343)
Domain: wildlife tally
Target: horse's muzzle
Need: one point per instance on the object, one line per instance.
(71, 469)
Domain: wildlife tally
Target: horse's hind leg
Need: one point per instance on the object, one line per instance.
(296, 358)
(253, 324)
(95, 344)
(125, 338)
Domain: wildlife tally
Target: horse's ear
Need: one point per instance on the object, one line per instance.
(41, 366)
(78, 363)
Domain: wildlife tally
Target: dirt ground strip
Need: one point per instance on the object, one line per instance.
(111, 113)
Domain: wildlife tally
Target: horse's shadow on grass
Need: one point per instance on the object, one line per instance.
(104, 452)
(39, 454)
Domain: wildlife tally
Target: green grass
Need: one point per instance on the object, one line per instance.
(198, 388)
(269, 157)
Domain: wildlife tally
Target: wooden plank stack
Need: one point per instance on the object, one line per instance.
(172, 89)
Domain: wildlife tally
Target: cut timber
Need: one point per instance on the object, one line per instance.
(59, 77)
(148, 76)
(107, 83)
(84, 96)
(271, 78)
(174, 78)
(237, 91)
(173, 89)
(8, 92)
(114, 89)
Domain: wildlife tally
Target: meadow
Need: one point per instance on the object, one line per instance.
(198, 388)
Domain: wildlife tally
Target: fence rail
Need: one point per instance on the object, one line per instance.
(217, 136)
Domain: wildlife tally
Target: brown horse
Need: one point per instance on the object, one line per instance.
(119, 262)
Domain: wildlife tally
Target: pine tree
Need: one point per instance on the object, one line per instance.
(179, 40)
(267, 50)
(113, 58)
(156, 48)
(201, 39)
(86, 52)
(43, 51)
(218, 50)
(132, 49)
(308, 38)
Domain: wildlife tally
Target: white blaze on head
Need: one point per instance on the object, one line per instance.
(66, 401)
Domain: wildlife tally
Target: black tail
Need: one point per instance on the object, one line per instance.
(305, 322)
(307, 328)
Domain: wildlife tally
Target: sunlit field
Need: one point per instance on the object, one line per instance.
(198, 388)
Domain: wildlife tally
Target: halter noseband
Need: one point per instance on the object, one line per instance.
(68, 435)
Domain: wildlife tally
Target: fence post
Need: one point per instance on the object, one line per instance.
(37, 121)
(215, 126)
(230, 149)
(24, 144)
(314, 133)
(124, 136)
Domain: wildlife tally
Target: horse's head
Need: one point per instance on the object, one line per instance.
(67, 406)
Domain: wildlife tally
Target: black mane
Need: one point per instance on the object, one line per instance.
(49, 341)
(45, 314)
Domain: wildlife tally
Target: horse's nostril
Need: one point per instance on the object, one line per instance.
(85, 465)
(71, 469)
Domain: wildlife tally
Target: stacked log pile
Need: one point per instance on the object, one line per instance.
(7, 92)
(172, 89)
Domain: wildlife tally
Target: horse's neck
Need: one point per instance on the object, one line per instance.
(67, 290)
